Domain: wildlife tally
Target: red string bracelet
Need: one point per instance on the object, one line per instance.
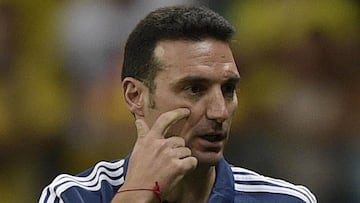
(155, 190)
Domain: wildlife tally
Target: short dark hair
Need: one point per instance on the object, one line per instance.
(169, 23)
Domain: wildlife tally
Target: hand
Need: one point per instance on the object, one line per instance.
(156, 158)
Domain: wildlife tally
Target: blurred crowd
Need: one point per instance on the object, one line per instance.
(61, 108)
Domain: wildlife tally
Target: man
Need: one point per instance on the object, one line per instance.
(179, 81)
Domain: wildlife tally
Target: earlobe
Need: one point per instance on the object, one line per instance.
(133, 91)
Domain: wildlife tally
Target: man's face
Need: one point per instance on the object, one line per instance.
(201, 76)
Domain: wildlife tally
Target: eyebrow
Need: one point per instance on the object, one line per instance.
(198, 79)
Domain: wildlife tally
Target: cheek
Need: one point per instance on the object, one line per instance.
(167, 101)
(177, 128)
(197, 113)
(184, 126)
(164, 104)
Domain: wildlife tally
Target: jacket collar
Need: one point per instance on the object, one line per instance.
(223, 190)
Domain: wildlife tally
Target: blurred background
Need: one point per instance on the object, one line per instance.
(61, 108)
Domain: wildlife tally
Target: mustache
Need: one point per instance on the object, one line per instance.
(213, 127)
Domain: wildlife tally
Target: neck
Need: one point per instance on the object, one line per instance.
(196, 186)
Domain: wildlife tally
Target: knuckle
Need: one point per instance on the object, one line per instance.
(164, 144)
(183, 152)
(179, 140)
(182, 141)
(181, 166)
(186, 164)
(188, 151)
(192, 162)
(176, 141)
(195, 161)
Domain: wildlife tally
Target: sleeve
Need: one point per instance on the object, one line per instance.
(69, 196)
(47, 197)
(308, 193)
(97, 184)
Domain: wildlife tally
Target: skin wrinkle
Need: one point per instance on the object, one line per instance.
(200, 50)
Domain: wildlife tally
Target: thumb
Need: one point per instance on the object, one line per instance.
(141, 127)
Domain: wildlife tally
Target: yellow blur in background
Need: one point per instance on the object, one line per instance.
(61, 108)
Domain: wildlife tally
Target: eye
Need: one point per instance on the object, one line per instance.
(228, 89)
(195, 89)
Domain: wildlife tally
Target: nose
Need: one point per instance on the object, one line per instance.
(216, 108)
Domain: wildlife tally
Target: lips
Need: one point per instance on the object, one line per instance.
(214, 137)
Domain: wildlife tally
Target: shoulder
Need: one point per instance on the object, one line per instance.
(254, 184)
(85, 187)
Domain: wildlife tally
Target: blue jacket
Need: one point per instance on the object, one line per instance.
(233, 184)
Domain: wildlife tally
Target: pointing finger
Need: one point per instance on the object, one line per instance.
(167, 119)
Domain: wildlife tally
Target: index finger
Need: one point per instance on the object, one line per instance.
(165, 120)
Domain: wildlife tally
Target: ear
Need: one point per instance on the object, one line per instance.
(134, 93)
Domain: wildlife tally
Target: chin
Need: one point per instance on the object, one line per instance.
(208, 158)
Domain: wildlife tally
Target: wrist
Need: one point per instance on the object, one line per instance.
(138, 194)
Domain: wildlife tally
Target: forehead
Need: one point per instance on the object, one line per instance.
(208, 57)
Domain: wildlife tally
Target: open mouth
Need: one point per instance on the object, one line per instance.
(213, 137)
